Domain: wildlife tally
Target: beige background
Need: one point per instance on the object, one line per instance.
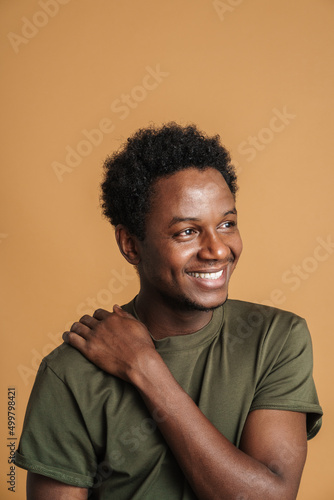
(229, 66)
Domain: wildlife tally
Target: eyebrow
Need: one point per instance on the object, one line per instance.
(175, 220)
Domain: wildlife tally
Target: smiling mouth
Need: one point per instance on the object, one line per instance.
(207, 276)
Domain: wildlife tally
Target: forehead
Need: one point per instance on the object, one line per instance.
(189, 193)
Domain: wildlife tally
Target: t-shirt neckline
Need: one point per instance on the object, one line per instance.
(190, 340)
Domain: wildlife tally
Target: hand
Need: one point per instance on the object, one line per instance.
(115, 342)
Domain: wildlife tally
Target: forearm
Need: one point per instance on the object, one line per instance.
(214, 467)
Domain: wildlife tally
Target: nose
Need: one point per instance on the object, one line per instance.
(214, 247)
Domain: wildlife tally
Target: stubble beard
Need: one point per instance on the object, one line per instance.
(183, 303)
(190, 305)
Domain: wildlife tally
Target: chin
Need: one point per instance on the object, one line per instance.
(192, 305)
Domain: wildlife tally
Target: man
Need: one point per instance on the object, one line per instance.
(180, 394)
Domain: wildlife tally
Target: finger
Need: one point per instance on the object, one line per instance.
(80, 329)
(75, 341)
(101, 314)
(88, 321)
(118, 310)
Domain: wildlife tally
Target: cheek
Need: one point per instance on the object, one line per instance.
(161, 259)
(237, 246)
(181, 255)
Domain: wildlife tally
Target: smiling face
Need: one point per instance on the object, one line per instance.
(192, 242)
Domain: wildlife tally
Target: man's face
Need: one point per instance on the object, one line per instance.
(192, 242)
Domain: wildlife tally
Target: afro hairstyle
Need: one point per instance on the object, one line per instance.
(152, 153)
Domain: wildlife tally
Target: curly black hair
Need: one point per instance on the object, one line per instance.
(152, 153)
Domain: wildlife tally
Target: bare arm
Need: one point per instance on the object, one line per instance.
(261, 469)
(42, 487)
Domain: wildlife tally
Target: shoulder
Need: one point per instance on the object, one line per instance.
(260, 324)
(67, 373)
(67, 363)
(66, 360)
(259, 314)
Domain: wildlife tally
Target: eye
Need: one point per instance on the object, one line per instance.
(228, 224)
(185, 233)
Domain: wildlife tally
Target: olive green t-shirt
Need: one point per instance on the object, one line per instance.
(87, 428)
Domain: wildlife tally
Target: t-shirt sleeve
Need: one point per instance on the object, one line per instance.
(286, 380)
(54, 440)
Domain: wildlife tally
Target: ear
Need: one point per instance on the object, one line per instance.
(127, 243)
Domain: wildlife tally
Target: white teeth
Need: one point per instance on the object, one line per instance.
(207, 276)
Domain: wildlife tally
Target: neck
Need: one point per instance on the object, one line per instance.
(165, 320)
